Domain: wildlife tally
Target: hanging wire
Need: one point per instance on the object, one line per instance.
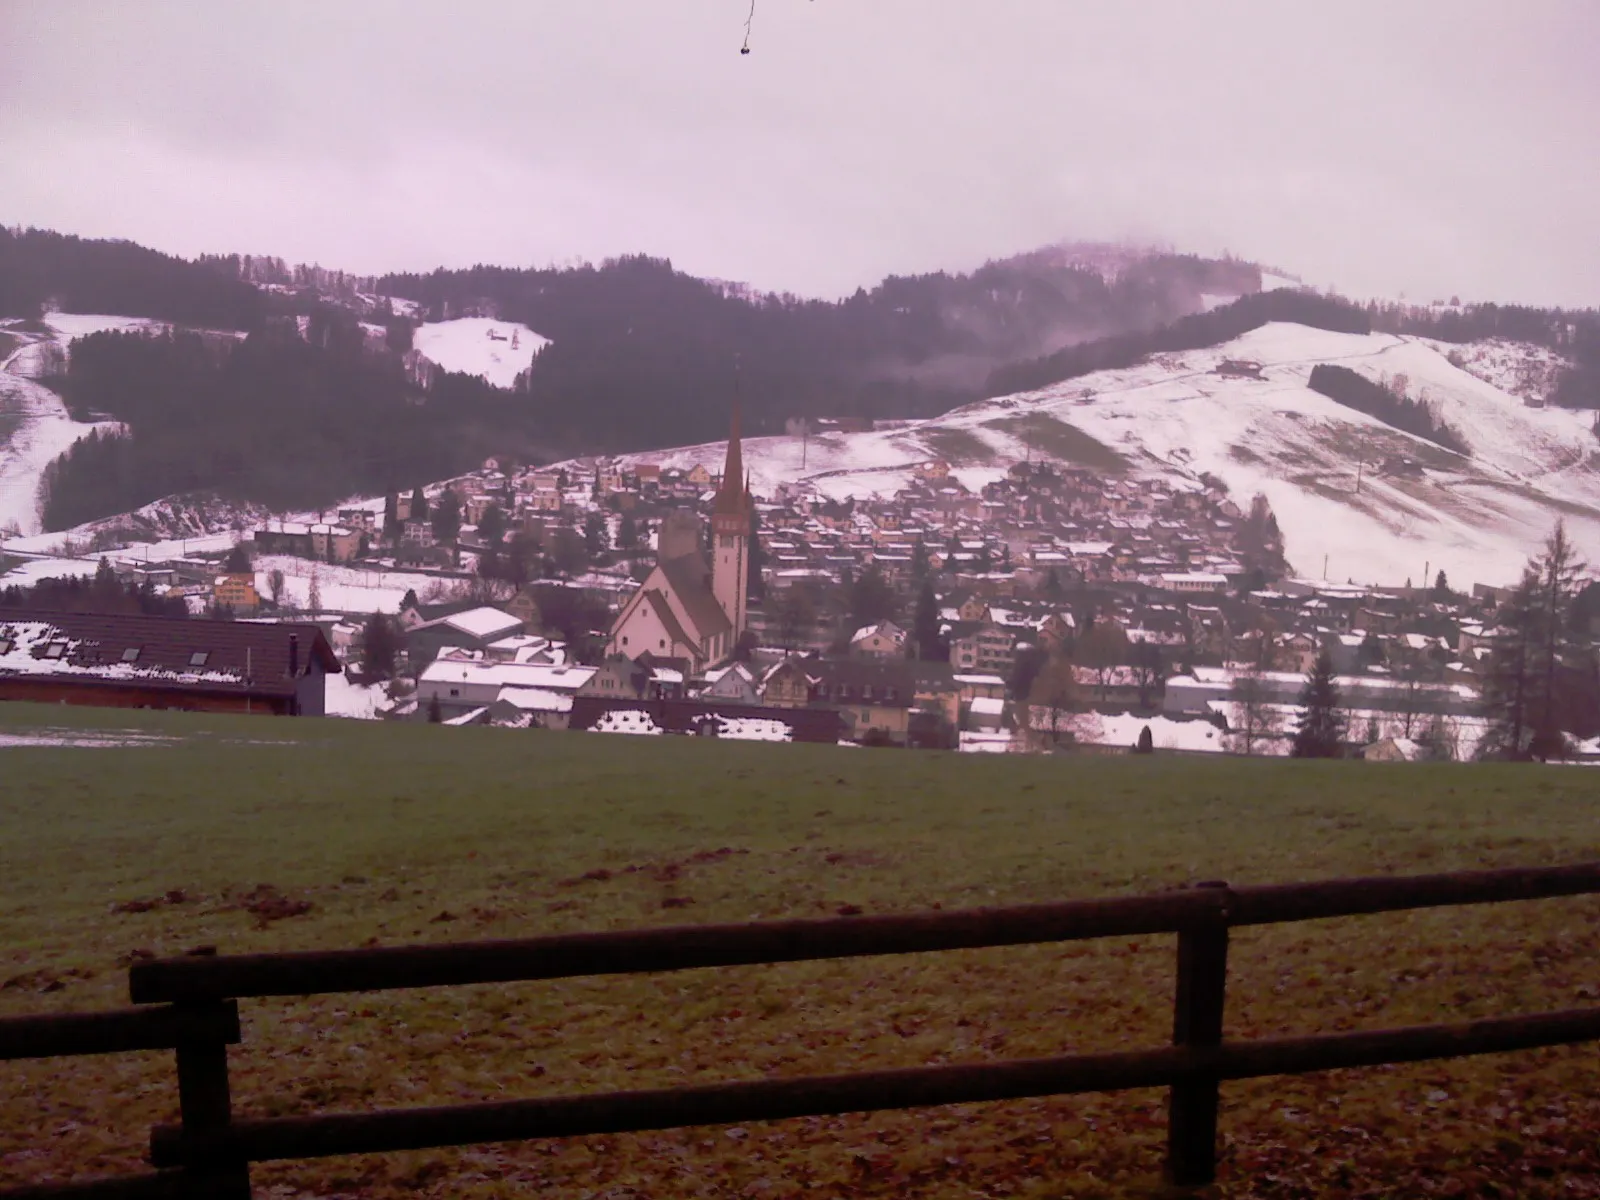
(745, 49)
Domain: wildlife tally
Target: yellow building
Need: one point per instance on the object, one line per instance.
(237, 591)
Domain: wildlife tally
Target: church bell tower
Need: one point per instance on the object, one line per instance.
(730, 535)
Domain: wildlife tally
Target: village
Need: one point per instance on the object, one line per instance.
(1057, 607)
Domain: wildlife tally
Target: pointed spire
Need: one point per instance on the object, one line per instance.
(731, 496)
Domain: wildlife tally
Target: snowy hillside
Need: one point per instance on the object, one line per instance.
(34, 425)
(1418, 507)
(497, 350)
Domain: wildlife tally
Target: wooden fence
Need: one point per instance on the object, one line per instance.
(190, 1005)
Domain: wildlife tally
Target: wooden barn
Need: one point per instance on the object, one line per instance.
(128, 661)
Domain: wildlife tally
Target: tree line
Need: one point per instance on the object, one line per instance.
(1391, 406)
(40, 269)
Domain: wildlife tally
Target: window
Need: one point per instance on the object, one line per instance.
(624, 639)
(55, 650)
(661, 643)
(131, 654)
(455, 691)
(198, 658)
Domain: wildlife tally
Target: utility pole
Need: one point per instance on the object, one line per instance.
(1359, 464)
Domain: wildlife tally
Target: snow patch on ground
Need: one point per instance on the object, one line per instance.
(480, 346)
(343, 697)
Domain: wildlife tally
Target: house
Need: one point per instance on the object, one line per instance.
(129, 661)
(989, 649)
(471, 629)
(331, 543)
(530, 688)
(618, 677)
(525, 608)
(236, 591)
(789, 684)
(873, 698)
(735, 683)
(880, 641)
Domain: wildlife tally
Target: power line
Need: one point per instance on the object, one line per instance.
(745, 49)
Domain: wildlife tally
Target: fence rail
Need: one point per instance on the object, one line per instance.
(192, 1009)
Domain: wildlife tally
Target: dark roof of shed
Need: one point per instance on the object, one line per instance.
(240, 655)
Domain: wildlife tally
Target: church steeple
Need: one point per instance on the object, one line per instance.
(730, 532)
(733, 496)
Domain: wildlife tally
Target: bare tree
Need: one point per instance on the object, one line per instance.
(1055, 689)
(1252, 717)
(275, 585)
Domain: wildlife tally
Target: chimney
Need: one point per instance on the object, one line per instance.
(294, 655)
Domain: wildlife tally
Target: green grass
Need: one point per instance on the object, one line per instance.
(1067, 443)
(958, 447)
(416, 833)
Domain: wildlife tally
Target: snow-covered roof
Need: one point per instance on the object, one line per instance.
(988, 706)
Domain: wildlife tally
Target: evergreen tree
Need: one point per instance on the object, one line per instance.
(492, 525)
(1521, 697)
(595, 541)
(919, 561)
(1320, 733)
(757, 584)
(627, 533)
(871, 598)
(1441, 589)
(380, 646)
(925, 631)
(435, 713)
(238, 560)
(447, 516)
(1146, 743)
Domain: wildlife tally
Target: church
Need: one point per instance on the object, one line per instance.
(686, 608)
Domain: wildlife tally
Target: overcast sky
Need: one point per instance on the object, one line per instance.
(1408, 146)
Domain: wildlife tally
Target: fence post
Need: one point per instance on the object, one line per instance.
(1197, 1023)
(205, 1106)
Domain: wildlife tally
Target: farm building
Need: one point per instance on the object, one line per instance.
(133, 661)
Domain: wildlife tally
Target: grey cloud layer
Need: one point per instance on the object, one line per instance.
(1424, 147)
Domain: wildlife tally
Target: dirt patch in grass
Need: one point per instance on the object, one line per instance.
(417, 834)
(1060, 440)
(958, 447)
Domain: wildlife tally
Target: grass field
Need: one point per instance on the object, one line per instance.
(1063, 441)
(415, 833)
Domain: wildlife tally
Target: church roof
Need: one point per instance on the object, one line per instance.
(668, 619)
(689, 578)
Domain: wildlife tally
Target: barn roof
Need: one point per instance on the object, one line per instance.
(160, 651)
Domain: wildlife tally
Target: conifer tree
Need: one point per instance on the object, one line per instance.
(925, 627)
(1320, 733)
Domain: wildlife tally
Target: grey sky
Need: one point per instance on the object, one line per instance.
(1407, 146)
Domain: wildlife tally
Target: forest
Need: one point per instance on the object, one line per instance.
(1395, 409)
(270, 418)
(41, 270)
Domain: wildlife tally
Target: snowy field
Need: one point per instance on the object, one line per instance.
(1172, 417)
(347, 589)
(480, 346)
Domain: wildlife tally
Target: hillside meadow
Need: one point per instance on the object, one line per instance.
(212, 831)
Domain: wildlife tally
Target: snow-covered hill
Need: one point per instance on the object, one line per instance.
(1418, 507)
(496, 350)
(34, 424)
